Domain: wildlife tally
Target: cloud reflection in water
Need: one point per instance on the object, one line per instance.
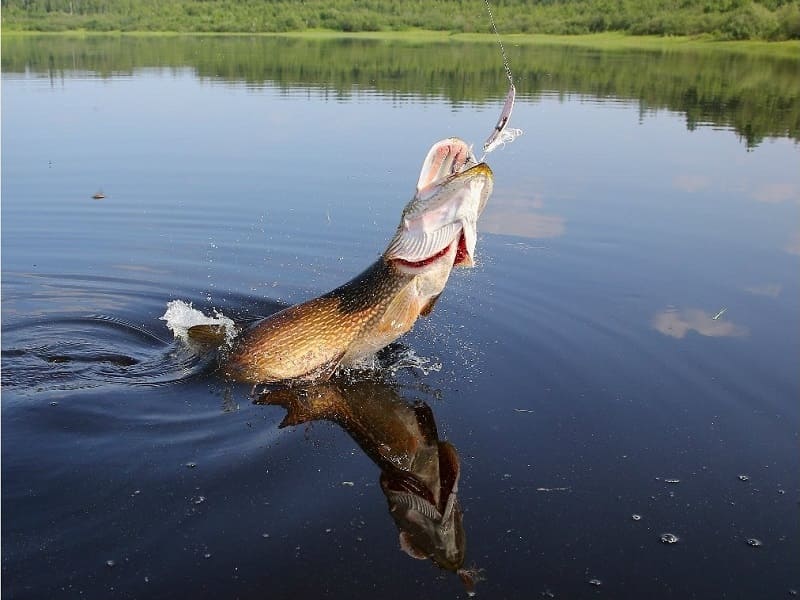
(520, 216)
(678, 323)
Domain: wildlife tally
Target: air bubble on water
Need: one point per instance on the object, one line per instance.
(207, 555)
(669, 538)
(54, 403)
(754, 542)
(198, 499)
(673, 481)
(110, 563)
(636, 517)
(595, 582)
(190, 465)
(744, 478)
(265, 535)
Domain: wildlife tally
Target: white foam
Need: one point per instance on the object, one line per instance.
(406, 359)
(180, 316)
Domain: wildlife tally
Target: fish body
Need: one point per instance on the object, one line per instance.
(305, 343)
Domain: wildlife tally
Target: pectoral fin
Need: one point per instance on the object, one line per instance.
(409, 548)
(426, 310)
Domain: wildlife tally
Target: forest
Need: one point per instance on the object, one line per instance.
(717, 19)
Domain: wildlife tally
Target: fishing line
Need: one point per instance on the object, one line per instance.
(502, 134)
(506, 66)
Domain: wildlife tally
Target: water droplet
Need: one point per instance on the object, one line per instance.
(265, 535)
(207, 555)
(191, 465)
(669, 538)
(595, 582)
(636, 517)
(54, 403)
(110, 563)
(781, 492)
(198, 499)
(744, 478)
(754, 542)
(673, 481)
(348, 483)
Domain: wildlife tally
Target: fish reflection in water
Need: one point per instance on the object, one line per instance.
(419, 472)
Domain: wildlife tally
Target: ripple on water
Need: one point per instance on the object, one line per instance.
(83, 352)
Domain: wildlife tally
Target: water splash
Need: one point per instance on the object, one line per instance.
(181, 316)
(391, 360)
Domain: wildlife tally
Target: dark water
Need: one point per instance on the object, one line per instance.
(627, 345)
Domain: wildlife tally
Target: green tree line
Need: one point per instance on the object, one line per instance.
(722, 19)
(757, 96)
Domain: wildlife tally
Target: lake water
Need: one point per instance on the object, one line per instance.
(621, 364)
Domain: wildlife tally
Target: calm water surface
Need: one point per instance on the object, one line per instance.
(627, 345)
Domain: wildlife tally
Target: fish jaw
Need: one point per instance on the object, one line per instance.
(426, 509)
(441, 220)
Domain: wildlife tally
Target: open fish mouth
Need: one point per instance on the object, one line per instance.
(440, 222)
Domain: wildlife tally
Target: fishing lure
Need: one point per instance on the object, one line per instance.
(501, 135)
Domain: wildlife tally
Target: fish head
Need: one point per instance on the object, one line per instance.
(430, 521)
(439, 225)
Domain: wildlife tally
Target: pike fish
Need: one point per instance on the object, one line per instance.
(307, 342)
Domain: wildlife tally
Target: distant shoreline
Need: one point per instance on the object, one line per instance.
(766, 20)
(607, 40)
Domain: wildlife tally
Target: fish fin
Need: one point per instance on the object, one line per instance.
(426, 310)
(426, 422)
(398, 318)
(408, 547)
(304, 404)
(208, 334)
(325, 371)
(449, 469)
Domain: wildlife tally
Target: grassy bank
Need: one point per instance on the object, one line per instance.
(600, 41)
(720, 19)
